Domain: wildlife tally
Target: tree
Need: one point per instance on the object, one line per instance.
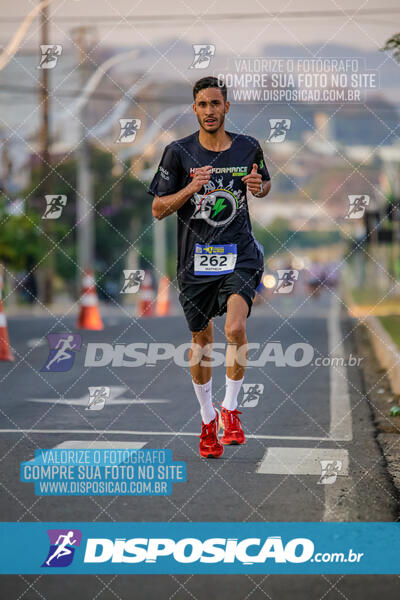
(393, 45)
(122, 216)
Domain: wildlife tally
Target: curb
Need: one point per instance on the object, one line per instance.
(379, 353)
(390, 444)
(386, 352)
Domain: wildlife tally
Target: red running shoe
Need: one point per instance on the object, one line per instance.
(233, 432)
(210, 446)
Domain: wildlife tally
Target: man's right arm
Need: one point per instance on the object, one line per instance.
(166, 205)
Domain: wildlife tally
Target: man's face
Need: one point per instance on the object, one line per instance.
(210, 109)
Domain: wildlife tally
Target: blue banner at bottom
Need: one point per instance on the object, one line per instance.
(208, 548)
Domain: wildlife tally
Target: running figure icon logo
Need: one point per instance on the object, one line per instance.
(251, 394)
(286, 281)
(357, 206)
(62, 352)
(133, 279)
(54, 206)
(329, 471)
(62, 547)
(50, 56)
(203, 54)
(278, 130)
(129, 128)
(98, 397)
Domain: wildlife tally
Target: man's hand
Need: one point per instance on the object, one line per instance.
(166, 205)
(253, 181)
(201, 177)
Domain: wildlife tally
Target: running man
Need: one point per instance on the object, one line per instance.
(220, 263)
(51, 54)
(287, 279)
(62, 550)
(56, 205)
(134, 279)
(127, 130)
(63, 345)
(360, 203)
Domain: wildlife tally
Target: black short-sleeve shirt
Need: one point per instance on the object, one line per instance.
(219, 213)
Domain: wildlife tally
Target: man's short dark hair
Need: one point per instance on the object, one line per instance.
(210, 82)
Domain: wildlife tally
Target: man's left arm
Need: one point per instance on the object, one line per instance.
(258, 186)
(258, 181)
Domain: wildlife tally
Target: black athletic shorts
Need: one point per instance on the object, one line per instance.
(201, 302)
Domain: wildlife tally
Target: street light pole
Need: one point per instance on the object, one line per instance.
(160, 248)
(84, 200)
(45, 167)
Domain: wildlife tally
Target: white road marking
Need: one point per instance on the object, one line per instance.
(338, 500)
(84, 401)
(36, 342)
(96, 444)
(115, 392)
(339, 400)
(301, 461)
(164, 433)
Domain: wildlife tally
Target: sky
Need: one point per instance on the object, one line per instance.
(198, 22)
(165, 31)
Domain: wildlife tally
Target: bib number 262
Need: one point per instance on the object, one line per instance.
(214, 260)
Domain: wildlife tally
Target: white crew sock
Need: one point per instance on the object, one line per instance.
(203, 393)
(231, 392)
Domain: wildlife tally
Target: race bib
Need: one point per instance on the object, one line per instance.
(214, 260)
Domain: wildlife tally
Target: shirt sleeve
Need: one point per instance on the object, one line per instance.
(167, 178)
(259, 159)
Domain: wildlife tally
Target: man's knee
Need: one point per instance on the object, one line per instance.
(203, 337)
(201, 348)
(235, 330)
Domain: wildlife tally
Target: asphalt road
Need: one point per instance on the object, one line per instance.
(304, 415)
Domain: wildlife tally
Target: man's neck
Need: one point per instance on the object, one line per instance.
(217, 142)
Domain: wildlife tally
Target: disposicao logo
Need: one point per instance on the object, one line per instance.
(191, 550)
(62, 547)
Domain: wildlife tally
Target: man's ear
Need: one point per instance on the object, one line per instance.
(227, 106)
(194, 107)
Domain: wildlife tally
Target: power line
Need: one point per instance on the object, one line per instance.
(179, 18)
(165, 100)
(69, 93)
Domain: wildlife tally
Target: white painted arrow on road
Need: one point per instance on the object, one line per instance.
(115, 392)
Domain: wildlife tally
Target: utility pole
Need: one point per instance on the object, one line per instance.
(84, 200)
(45, 168)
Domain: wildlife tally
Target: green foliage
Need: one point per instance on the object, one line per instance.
(20, 238)
(393, 45)
(123, 216)
(277, 237)
(272, 237)
(119, 200)
(392, 325)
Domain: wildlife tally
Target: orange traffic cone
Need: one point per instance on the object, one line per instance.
(146, 302)
(5, 350)
(163, 306)
(89, 315)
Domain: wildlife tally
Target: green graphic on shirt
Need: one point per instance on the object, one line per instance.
(261, 163)
(218, 206)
